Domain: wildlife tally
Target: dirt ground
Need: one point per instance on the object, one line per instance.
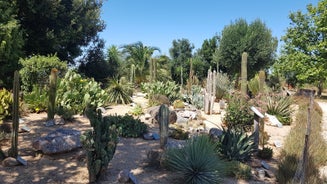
(71, 167)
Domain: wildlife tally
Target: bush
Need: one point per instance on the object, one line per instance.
(236, 145)
(36, 70)
(196, 98)
(129, 127)
(137, 110)
(169, 89)
(223, 85)
(238, 115)
(265, 153)
(179, 134)
(197, 161)
(6, 101)
(280, 107)
(239, 170)
(119, 92)
(37, 99)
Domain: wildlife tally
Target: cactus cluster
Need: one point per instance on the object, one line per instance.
(100, 144)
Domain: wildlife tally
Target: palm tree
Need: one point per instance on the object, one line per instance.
(139, 55)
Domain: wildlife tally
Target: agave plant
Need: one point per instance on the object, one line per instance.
(197, 161)
(236, 145)
(280, 107)
(119, 93)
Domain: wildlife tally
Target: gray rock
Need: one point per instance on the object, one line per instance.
(155, 136)
(148, 136)
(123, 176)
(265, 165)
(132, 178)
(58, 141)
(154, 111)
(9, 162)
(175, 144)
(215, 133)
(49, 123)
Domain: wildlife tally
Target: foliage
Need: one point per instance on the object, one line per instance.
(163, 72)
(119, 92)
(62, 27)
(304, 54)
(197, 161)
(238, 115)
(137, 110)
(207, 50)
(128, 126)
(236, 145)
(179, 134)
(169, 89)
(158, 99)
(11, 42)
(196, 97)
(238, 169)
(138, 55)
(223, 85)
(265, 153)
(254, 38)
(74, 94)
(100, 144)
(180, 52)
(6, 101)
(280, 107)
(294, 144)
(178, 104)
(37, 99)
(253, 85)
(36, 70)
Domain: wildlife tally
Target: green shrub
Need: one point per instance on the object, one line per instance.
(36, 70)
(169, 89)
(280, 107)
(238, 115)
(37, 99)
(119, 92)
(137, 110)
(196, 98)
(197, 161)
(179, 134)
(158, 99)
(236, 145)
(178, 104)
(253, 85)
(238, 169)
(75, 93)
(129, 127)
(223, 85)
(6, 101)
(265, 153)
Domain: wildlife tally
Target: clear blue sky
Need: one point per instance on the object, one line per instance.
(159, 22)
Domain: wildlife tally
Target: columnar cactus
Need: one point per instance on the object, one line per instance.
(52, 94)
(210, 92)
(13, 152)
(262, 78)
(100, 144)
(163, 124)
(244, 75)
(132, 74)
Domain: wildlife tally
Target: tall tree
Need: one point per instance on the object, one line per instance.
(304, 55)
(180, 52)
(254, 38)
(11, 42)
(138, 55)
(62, 27)
(207, 50)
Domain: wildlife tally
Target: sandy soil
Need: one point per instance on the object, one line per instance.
(130, 154)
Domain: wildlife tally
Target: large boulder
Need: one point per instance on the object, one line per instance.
(59, 141)
(154, 112)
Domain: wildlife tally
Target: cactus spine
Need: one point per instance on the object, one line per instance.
(262, 78)
(163, 124)
(52, 94)
(100, 144)
(13, 152)
(244, 74)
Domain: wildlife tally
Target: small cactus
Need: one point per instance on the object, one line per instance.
(163, 124)
(13, 152)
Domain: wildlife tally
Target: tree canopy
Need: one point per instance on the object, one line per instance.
(254, 38)
(304, 56)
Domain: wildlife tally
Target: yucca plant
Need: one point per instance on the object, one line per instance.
(236, 145)
(197, 161)
(119, 93)
(280, 107)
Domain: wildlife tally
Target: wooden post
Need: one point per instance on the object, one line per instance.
(257, 116)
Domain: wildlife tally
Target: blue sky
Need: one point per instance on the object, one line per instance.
(159, 22)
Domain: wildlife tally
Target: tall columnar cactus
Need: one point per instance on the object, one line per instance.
(52, 94)
(210, 92)
(190, 80)
(100, 143)
(13, 152)
(262, 78)
(153, 70)
(163, 124)
(244, 74)
(132, 74)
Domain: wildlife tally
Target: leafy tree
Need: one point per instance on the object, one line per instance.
(254, 38)
(180, 52)
(209, 46)
(138, 55)
(163, 68)
(114, 58)
(61, 27)
(11, 42)
(303, 57)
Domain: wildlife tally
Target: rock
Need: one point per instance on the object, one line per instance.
(269, 174)
(265, 165)
(123, 176)
(133, 178)
(148, 136)
(59, 120)
(9, 162)
(181, 120)
(278, 144)
(255, 163)
(215, 133)
(58, 141)
(155, 136)
(188, 114)
(147, 116)
(154, 111)
(272, 120)
(49, 123)
(175, 144)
